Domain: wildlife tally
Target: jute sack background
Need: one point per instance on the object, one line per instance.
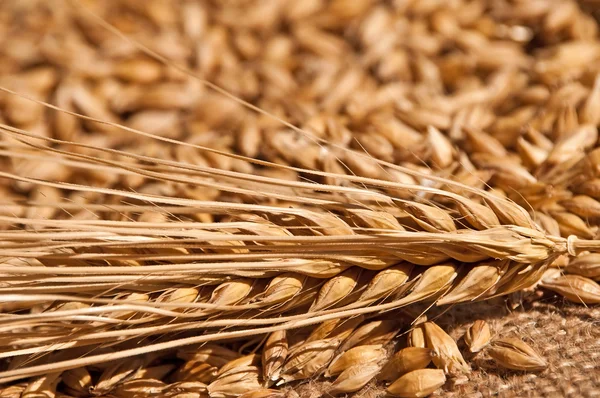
(567, 336)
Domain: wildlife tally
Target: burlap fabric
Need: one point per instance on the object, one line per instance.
(567, 335)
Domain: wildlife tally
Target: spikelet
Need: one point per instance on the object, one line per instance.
(139, 388)
(339, 329)
(386, 282)
(274, 355)
(283, 287)
(354, 378)
(336, 289)
(193, 388)
(375, 332)
(447, 356)
(195, 371)
(359, 355)
(13, 391)
(480, 279)
(115, 375)
(232, 292)
(212, 354)
(265, 393)
(157, 372)
(575, 288)
(430, 283)
(235, 382)
(180, 295)
(587, 265)
(246, 360)
(77, 381)
(308, 360)
(44, 386)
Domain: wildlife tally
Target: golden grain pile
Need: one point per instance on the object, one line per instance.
(235, 198)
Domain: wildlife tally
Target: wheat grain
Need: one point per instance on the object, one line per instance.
(354, 378)
(77, 381)
(356, 356)
(308, 359)
(513, 353)
(404, 361)
(478, 336)
(447, 356)
(235, 382)
(195, 389)
(114, 375)
(195, 371)
(576, 288)
(418, 383)
(587, 265)
(139, 388)
(274, 355)
(265, 393)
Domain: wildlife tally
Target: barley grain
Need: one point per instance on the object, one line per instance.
(478, 336)
(513, 353)
(418, 383)
(404, 361)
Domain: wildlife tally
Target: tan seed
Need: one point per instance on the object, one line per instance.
(360, 355)
(354, 378)
(478, 216)
(418, 383)
(42, 387)
(442, 151)
(478, 336)
(246, 360)
(230, 293)
(386, 282)
(212, 354)
(181, 295)
(404, 361)
(575, 288)
(78, 381)
(195, 371)
(512, 353)
(479, 280)
(308, 359)
(196, 388)
(157, 372)
(338, 329)
(375, 332)
(283, 288)
(587, 265)
(274, 355)
(583, 206)
(336, 289)
(139, 388)
(235, 382)
(416, 337)
(116, 374)
(13, 391)
(264, 393)
(431, 282)
(447, 355)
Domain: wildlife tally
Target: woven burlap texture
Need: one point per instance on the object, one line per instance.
(567, 335)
